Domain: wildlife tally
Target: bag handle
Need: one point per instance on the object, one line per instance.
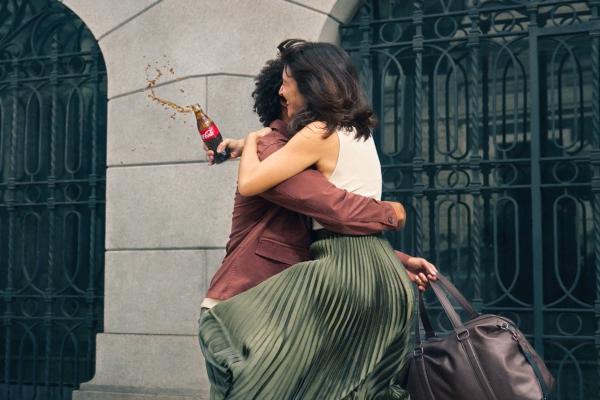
(420, 316)
(440, 287)
(444, 284)
(423, 316)
(457, 295)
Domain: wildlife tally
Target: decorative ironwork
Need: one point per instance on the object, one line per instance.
(490, 134)
(52, 187)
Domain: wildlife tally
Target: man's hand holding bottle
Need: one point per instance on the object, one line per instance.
(235, 147)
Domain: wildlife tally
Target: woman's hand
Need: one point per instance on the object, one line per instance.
(420, 271)
(235, 146)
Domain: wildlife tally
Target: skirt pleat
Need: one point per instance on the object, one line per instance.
(335, 327)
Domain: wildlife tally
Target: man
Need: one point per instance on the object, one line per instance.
(272, 231)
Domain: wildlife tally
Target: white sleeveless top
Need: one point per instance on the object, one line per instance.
(358, 169)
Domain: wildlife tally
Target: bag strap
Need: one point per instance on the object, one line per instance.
(484, 383)
(536, 369)
(422, 373)
(457, 295)
(438, 288)
(429, 331)
(423, 316)
(418, 297)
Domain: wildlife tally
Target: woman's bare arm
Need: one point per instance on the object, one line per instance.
(301, 151)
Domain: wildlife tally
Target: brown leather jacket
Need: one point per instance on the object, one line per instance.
(272, 231)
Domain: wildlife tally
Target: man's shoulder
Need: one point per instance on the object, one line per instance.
(273, 141)
(273, 138)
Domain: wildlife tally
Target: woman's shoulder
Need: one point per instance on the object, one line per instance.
(317, 129)
(313, 140)
(314, 134)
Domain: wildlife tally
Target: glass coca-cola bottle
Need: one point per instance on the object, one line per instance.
(210, 133)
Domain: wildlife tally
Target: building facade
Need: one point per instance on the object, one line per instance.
(112, 223)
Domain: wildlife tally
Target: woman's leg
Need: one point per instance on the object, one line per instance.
(219, 374)
(323, 329)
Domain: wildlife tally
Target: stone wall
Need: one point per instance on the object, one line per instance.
(167, 212)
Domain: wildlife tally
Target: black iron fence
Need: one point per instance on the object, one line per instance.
(52, 187)
(490, 134)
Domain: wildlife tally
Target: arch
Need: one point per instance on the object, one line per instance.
(344, 11)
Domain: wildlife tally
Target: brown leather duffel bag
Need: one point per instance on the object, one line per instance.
(485, 358)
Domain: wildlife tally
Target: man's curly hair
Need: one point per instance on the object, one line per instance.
(267, 102)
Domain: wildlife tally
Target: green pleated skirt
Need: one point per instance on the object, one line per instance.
(335, 327)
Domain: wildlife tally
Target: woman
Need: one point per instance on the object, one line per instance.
(336, 327)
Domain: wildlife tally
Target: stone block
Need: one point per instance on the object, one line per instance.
(116, 393)
(155, 292)
(102, 16)
(203, 37)
(141, 131)
(159, 365)
(169, 206)
(229, 104)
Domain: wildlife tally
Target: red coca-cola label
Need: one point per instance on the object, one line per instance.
(210, 133)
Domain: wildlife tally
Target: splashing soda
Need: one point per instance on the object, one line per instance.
(209, 132)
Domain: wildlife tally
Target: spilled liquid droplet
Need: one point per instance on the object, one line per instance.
(151, 84)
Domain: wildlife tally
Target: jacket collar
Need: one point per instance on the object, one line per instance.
(280, 126)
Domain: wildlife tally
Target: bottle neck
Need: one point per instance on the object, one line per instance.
(203, 121)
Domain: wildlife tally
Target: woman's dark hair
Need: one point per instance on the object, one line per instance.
(329, 83)
(267, 102)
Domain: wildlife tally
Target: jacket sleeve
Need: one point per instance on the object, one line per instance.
(403, 257)
(338, 210)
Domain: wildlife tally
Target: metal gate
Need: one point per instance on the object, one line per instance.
(52, 188)
(490, 134)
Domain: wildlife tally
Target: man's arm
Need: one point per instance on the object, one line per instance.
(338, 210)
